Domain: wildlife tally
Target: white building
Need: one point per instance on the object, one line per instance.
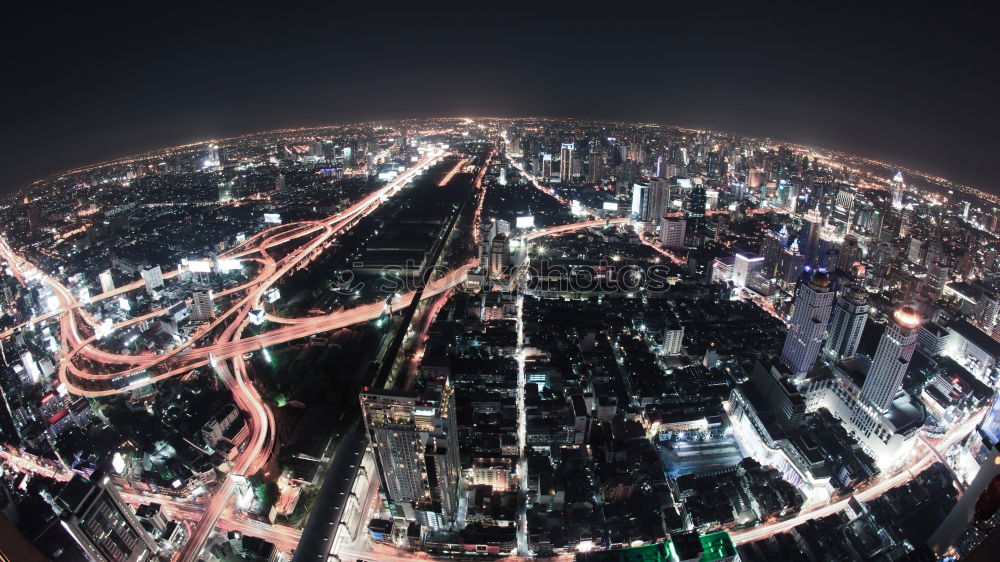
(744, 266)
(673, 339)
(892, 358)
(107, 281)
(152, 277)
(974, 350)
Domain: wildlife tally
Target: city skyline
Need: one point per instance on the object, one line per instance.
(844, 79)
(507, 337)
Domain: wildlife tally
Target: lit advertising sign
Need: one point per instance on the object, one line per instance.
(525, 222)
(272, 218)
(226, 266)
(199, 266)
(610, 206)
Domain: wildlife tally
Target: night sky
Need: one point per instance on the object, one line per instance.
(913, 86)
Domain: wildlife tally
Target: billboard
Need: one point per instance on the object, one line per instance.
(525, 222)
(610, 206)
(199, 266)
(272, 218)
(226, 266)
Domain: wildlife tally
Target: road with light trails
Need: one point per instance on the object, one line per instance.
(225, 354)
(285, 538)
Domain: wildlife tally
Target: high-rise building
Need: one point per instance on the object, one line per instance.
(937, 278)
(657, 201)
(101, 523)
(597, 168)
(695, 214)
(279, 182)
(545, 169)
(673, 339)
(850, 313)
(811, 231)
(499, 255)
(672, 232)
(987, 310)
(898, 186)
(201, 306)
(107, 281)
(152, 277)
(416, 441)
(640, 194)
(566, 162)
(892, 358)
(34, 217)
(813, 304)
(744, 267)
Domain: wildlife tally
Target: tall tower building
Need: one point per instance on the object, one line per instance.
(673, 339)
(897, 190)
(811, 232)
(34, 218)
(672, 232)
(597, 168)
(813, 303)
(153, 278)
(101, 523)
(640, 196)
(744, 267)
(849, 316)
(499, 255)
(566, 162)
(892, 358)
(695, 213)
(201, 306)
(545, 171)
(416, 441)
(657, 200)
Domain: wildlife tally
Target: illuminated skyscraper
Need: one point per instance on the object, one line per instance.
(695, 213)
(811, 231)
(849, 316)
(657, 201)
(545, 172)
(897, 190)
(813, 303)
(566, 162)
(416, 441)
(744, 267)
(640, 204)
(892, 358)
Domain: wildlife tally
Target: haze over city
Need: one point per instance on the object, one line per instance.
(426, 283)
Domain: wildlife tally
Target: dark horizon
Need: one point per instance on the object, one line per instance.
(909, 88)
